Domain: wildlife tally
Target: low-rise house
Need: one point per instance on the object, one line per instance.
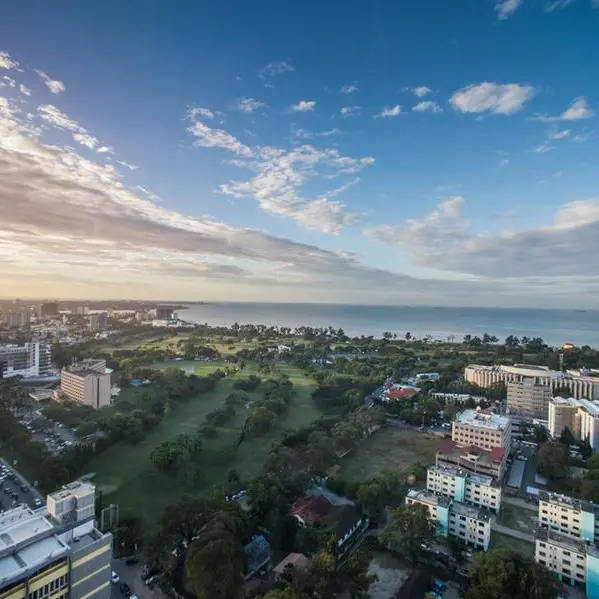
(293, 561)
(257, 556)
(309, 511)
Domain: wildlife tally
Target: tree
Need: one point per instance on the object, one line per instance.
(540, 434)
(408, 336)
(501, 573)
(552, 460)
(286, 593)
(590, 486)
(409, 527)
(567, 438)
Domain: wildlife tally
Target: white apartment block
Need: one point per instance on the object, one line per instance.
(87, 382)
(482, 429)
(464, 487)
(569, 516)
(28, 360)
(582, 383)
(471, 525)
(581, 416)
(574, 562)
(528, 399)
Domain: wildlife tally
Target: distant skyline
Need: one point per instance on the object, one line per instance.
(399, 153)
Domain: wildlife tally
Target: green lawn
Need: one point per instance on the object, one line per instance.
(125, 475)
(191, 366)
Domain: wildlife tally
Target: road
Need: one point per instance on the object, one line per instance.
(510, 532)
(29, 497)
(516, 501)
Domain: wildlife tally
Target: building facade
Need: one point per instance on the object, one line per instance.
(87, 382)
(55, 552)
(48, 309)
(572, 517)
(528, 399)
(18, 320)
(454, 519)
(473, 459)
(581, 416)
(581, 383)
(98, 322)
(463, 486)
(483, 429)
(28, 360)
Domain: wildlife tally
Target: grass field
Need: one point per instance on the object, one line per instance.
(191, 366)
(389, 449)
(124, 473)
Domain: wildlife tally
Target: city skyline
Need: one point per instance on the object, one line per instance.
(422, 154)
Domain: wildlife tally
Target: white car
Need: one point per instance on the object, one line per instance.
(115, 577)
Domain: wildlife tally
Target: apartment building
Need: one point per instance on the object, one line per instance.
(463, 486)
(528, 399)
(581, 416)
(582, 383)
(483, 429)
(28, 360)
(48, 309)
(55, 552)
(18, 320)
(568, 516)
(574, 562)
(87, 382)
(98, 321)
(471, 525)
(472, 459)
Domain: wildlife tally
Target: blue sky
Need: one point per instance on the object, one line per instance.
(414, 152)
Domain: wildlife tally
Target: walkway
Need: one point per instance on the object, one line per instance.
(510, 532)
(516, 501)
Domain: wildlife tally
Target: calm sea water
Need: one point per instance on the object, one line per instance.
(554, 326)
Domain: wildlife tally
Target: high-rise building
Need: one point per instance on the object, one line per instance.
(28, 360)
(581, 416)
(164, 313)
(18, 320)
(48, 309)
(55, 552)
(98, 321)
(482, 428)
(528, 399)
(87, 382)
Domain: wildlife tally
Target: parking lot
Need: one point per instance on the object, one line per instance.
(15, 490)
(54, 435)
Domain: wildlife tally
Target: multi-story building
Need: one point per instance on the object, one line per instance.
(581, 383)
(55, 552)
(483, 429)
(473, 459)
(566, 515)
(28, 360)
(164, 313)
(581, 416)
(528, 399)
(87, 382)
(573, 561)
(98, 321)
(18, 320)
(464, 487)
(48, 309)
(471, 525)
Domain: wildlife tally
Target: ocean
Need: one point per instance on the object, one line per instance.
(556, 327)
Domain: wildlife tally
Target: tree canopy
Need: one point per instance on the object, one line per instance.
(409, 527)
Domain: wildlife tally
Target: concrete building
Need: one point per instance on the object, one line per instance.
(48, 309)
(483, 429)
(454, 519)
(18, 320)
(473, 459)
(87, 382)
(581, 416)
(568, 516)
(463, 486)
(574, 562)
(581, 383)
(98, 322)
(164, 313)
(28, 360)
(528, 399)
(55, 552)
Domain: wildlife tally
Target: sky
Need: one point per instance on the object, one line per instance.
(413, 152)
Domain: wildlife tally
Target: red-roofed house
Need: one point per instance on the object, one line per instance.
(400, 392)
(311, 510)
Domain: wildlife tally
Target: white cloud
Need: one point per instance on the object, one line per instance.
(557, 5)
(195, 111)
(207, 137)
(559, 134)
(349, 88)
(427, 106)
(55, 86)
(24, 90)
(303, 106)
(128, 165)
(6, 62)
(329, 132)
(504, 162)
(578, 110)
(348, 111)
(544, 148)
(248, 105)
(420, 91)
(7, 81)
(86, 140)
(496, 98)
(56, 117)
(105, 150)
(389, 112)
(306, 134)
(274, 69)
(506, 8)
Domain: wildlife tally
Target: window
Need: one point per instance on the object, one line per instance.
(542, 553)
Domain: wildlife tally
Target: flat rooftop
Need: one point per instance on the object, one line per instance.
(537, 370)
(567, 501)
(470, 512)
(551, 537)
(76, 489)
(479, 479)
(592, 407)
(483, 419)
(428, 498)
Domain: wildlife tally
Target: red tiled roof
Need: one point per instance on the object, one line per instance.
(311, 509)
(447, 446)
(400, 393)
(497, 454)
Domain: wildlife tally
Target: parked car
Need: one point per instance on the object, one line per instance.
(115, 577)
(125, 589)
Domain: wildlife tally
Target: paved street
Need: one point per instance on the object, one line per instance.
(516, 501)
(510, 532)
(11, 491)
(131, 575)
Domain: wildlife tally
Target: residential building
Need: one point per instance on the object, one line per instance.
(258, 554)
(294, 562)
(55, 552)
(28, 360)
(463, 486)
(459, 397)
(581, 416)
(455, 519)
(18, 320)
(98, 321)
(572, 517)
(573, 561)
(164, 313)
(473, 459)
(48, 309)
(528, 399)
(483, 429)
(582, 383)
(87, 382)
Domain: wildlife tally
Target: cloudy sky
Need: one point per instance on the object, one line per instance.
(415, 152)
